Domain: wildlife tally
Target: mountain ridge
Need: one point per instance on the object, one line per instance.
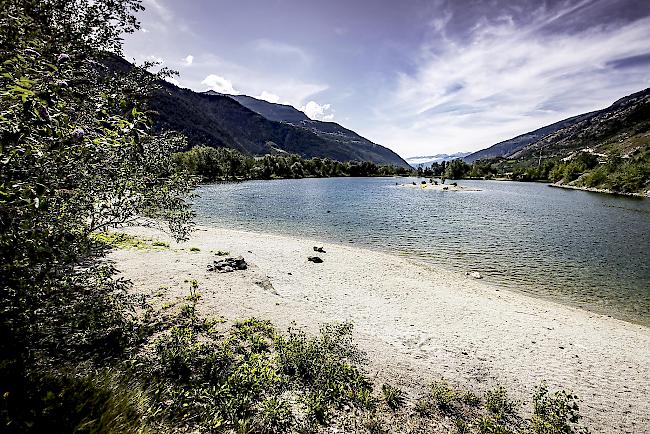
(218, 120)
(221, 121)
(628, 116)
(621, 127)
(507, 147)
(330, 131)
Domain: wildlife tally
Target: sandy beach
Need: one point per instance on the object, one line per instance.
(416, 323)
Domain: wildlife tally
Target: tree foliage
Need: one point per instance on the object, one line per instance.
(77, 157)
(220, 164)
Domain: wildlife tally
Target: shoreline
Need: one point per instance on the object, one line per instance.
(600, 190)
(416, 323)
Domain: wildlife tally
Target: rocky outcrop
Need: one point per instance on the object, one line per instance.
(228, 265)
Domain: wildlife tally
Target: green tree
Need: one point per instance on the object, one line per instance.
(78, 156)
(457, 169)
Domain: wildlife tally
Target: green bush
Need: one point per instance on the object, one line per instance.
(498, 403)
(471, 399)
(489, 426)
(273, 416)
(393, 396)
(443, 395)
(325, 363)
(556, 413)
(78, 156)
(423, 407)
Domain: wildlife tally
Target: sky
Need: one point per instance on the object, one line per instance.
(420, 77)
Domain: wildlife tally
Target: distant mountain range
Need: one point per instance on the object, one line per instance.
(621, 127)
(426, 161)
(259, 127)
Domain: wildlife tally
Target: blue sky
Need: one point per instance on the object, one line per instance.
(421, 77)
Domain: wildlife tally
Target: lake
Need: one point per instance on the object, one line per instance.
(585, 249)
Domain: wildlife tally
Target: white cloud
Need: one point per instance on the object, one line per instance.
(173, 81)
(189, 59)
(268, 96)
(154, 58)
(507, 80)
(318, 112)
(159, 9)
(277, 48)
(219, 84)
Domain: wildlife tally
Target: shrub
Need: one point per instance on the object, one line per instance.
(556, 413)
(498, 403)
(443, 395)
(423, 407)
(393, 396)
(273, 416)
(78, 157)
(317, 407)
(461, 426)
(324, 364)
(489, 426)
(472, 399)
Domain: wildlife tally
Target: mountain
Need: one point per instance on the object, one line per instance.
(507, 147)
(621, 127)
(258, 127)
(329, 131)
(271, 111)
(426, 161)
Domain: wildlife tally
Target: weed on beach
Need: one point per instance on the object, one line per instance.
(197, 374)
(120, 240)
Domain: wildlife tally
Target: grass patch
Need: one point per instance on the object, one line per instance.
(498, 403)
(121, 240)
(443, 395)
(393, 396)
(194, 249)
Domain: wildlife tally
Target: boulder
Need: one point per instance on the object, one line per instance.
(315, 259)
(319, 249)
(228, 265)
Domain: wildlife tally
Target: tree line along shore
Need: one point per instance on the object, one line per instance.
(616, 174)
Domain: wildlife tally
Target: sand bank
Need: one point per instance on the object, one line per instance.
(415, 322)
(439, 187)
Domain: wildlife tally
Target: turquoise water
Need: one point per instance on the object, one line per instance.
(584, 249)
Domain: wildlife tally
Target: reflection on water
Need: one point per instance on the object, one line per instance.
(585, 249)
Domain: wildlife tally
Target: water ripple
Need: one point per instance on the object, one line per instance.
(579, 248)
